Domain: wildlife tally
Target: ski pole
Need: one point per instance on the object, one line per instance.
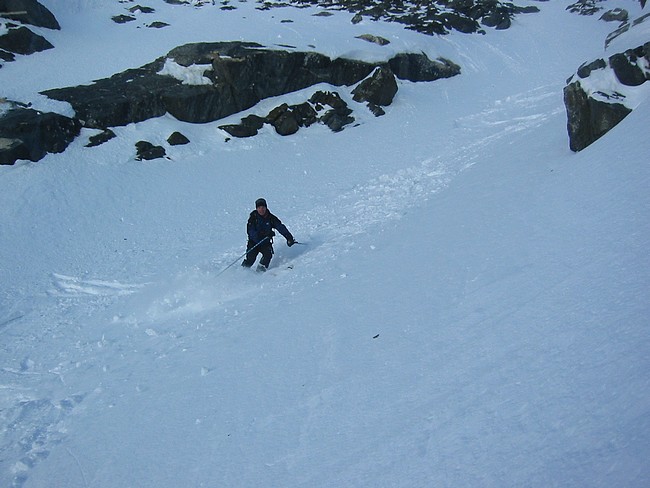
(236, 260)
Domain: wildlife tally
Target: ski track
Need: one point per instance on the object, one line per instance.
(70, 286)
(34, 412)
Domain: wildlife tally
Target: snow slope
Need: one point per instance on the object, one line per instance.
(470, 308)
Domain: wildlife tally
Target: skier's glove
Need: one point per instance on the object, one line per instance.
(290, 242)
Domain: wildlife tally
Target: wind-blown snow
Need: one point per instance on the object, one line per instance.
(189, 75)
(470, 307)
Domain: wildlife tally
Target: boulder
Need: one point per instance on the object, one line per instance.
(21, 40)
(626, 66)
(288, 119)
(589, 119)
(146, 150)
(6, 56)
(99, 139)
(284, 120)
(381, 41)
(591, 114)
(378, 89)
(28, 12)
(615, 15)
(239, 130)
(338, 116)
(177, 139)
(122, 19)
(29, 134)
(337, 119)
(585, 70)
(140, 9)
(248, 127)
(418, 67)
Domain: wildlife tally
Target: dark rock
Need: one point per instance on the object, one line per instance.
(590, 115)
(333, 99)
(242, 75)
(23, 41)
(585, 7)
(253, 121)
(284, 120)
(376, 110)
(418, 67)
(626, 68)
(122, 19)
(379, 89)
(28, 134)
(239, 130)
(177, 139)
(499, 19)
(147, 151)
(132, 96)
(287, 119)
(6, 56)
(626, 27)
(140, 8)
(337, 119)
(585, 70)
(374, 39)
(98, 139)
(305, 114)
(589, 119)
(248, 127)
(433, 17)
(158, 25)
(459, 22)
(338, 116)
(615, 15)
(28, 12)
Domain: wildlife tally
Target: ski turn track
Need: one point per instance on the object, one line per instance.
(34, 414)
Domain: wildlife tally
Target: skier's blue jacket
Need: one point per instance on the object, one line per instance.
(260, 227)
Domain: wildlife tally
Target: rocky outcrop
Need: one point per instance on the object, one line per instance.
(177, 139)
(19, 39)
(593, 106)
(378, 89)
(626, 27)
(585, 7)
(322, 107)
(147, 151)
(205, 82)
(588, 119)
(228, 77)
(29, 134)
(28, 12)
(99, 139)
(433, 17)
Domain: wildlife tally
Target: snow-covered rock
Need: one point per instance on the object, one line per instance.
(604, 91)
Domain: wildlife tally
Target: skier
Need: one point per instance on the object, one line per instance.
(259, 227)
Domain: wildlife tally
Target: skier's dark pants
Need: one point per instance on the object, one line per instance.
(265, 249)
